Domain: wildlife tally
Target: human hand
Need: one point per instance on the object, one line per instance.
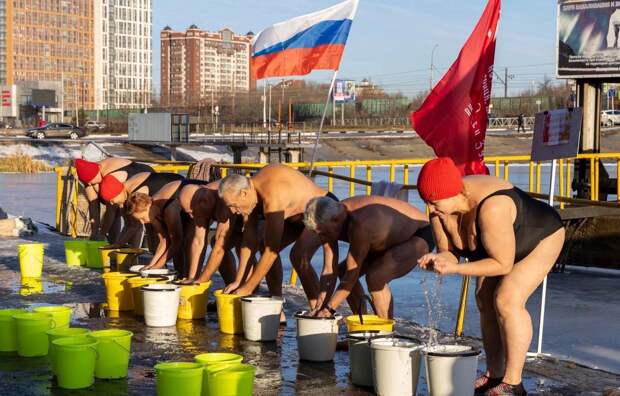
(188, 281)
(324, 313)
(426, 262)
(231, 287)
(242, 291)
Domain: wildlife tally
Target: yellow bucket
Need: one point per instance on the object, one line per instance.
(371, 322)
(229, 312)
(193, 301)
(106, 255)
(126, 257)
(31, 286)
(30, 259)
(118, 291)
(135, 283)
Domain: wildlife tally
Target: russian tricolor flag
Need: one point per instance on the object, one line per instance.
(310, 42)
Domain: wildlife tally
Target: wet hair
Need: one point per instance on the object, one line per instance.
(233, 184)
(320, 210)
(138, 202)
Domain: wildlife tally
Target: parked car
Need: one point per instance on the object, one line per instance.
(92, 125)
(610, 117)
(57, 130)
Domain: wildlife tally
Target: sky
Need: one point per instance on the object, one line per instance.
(391, 40)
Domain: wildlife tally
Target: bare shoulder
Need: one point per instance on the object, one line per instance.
(497, 209)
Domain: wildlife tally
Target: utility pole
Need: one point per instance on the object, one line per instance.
(430, 88)
(264, 105)
(505, 80)
(269, 120)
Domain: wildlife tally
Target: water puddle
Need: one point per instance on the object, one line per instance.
(30, 286)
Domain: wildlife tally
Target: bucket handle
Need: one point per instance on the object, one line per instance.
(365, 298)
(53, 323)
(122, 346)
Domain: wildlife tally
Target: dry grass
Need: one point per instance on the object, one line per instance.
(22, 163)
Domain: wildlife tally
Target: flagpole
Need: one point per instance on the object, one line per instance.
(318, 134)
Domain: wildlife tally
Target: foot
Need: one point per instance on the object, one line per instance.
(484, 383)
(504, 389)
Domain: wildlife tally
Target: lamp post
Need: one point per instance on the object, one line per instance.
(432, 66)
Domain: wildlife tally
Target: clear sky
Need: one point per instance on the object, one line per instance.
(391, 40)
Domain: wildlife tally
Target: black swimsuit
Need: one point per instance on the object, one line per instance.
(156, 181)
(185, 182)
(134, 168)
(534, 222)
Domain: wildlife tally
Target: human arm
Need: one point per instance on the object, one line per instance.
(249, 245)
(217, 251)
(328, 275)
(159, 257)
(444, 246)
(94, 212)
(274, 228)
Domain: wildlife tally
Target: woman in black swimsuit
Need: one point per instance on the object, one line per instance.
(172, 226)
(91, 174)
(512, 242)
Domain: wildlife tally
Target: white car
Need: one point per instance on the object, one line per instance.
(610, 117)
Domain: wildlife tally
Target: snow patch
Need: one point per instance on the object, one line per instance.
(52, 155)
(208, 152)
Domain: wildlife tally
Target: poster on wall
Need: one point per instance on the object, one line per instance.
(588, 39)
(556, 134)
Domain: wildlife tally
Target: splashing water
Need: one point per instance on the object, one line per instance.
(431, 286)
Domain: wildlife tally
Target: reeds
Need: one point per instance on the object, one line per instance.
(22, 163)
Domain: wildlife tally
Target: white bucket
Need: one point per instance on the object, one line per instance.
(395, 366)
(161, 304)
(316, 337)
(159, 273)
(451, 369)
(359, 355)
(261, 317)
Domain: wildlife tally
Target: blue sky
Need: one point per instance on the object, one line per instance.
(391, 40)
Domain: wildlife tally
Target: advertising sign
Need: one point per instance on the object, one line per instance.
(588, 39)
(556, 134)
(9, 101)
(344, 91)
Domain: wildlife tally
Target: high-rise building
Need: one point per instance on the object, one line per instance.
(197, 64)
(98, 50)
(123, 52)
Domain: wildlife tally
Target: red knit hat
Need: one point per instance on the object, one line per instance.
(439, 179)
(110, 188)
(86, 170)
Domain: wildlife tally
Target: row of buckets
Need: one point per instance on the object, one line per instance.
(77, 355)
(211, 374)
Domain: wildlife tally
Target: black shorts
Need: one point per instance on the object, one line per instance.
(332, 196)
(426, 233)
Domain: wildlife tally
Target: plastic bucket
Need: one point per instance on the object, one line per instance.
(451, 369)
(31, 337)
(217, 357)
(118, 291)
(75, 361)
(261, 317)
(113, 350)
(316, 337)
(30, 259)
(193, 301)
(29, 286)
(93, 256)
(395, 366)
(226, 379)
(126, 257)
(105, 252)
(55, 334)
(370, 323)
(60, 313)
(161, 304)
(179, 378)
(229, 313)
(360, 357)
(158, 273)
(76, 252)
(8, 331)
(136, 283)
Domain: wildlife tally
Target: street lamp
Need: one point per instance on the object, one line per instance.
(432, 65)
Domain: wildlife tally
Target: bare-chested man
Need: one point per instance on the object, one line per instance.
(386, 237)
(278, 194)
(202, 204)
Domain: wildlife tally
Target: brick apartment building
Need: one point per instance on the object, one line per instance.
(197, 65)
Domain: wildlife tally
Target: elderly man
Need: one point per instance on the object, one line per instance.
(278, 194)
(386, 237)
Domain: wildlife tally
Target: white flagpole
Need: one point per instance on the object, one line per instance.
(318, 134)
(543, 299)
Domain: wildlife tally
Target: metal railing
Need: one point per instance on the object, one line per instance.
(500, 167)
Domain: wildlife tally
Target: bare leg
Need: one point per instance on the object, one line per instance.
(356, 300)
(274, 278)
(491, 333)
(394, 263)
(512, 294)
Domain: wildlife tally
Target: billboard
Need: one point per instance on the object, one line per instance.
(344, 91)
(588, 39)
(9, 101)
(43, 98)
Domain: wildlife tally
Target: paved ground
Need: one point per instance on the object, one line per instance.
(279, 371)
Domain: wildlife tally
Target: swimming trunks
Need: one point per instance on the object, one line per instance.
(134, 168)
(534, 222)
(426, 233)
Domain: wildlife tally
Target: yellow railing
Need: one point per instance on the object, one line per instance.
(500, 166)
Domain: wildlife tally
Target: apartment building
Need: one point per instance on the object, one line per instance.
(198, 64)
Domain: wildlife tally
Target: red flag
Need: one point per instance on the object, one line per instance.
(453, 118)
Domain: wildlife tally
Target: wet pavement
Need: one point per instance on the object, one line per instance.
(279, 371)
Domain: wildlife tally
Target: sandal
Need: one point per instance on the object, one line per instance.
(504, 389)
(484, 383)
